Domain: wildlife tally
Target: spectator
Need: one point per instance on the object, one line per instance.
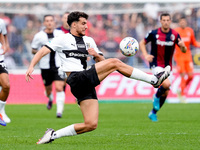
(16, 44)
(98, 32)
(110, 47)
(20, 21)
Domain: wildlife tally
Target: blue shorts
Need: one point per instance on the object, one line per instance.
(83, 84)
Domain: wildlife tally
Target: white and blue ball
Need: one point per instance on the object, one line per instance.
(129, 46)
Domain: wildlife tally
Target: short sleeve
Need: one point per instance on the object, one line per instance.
(3, 29)
(148, 36)
(36, 42)
(55, 44)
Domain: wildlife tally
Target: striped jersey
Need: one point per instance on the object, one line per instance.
(72, 51)
(51, 60)
(162, 46)
(3, 31)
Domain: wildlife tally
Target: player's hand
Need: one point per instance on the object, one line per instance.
(92, 52)
(149, 58)
(182, 45)
(28, 74)
(180, 42)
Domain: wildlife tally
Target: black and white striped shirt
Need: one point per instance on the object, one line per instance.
(72, 51)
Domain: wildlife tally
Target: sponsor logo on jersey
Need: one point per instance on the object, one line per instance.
(72, 54)
(81, 45)
(164, 43)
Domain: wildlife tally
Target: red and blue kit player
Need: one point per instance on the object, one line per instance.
(163, 41)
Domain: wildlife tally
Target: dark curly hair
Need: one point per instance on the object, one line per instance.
(74, 16)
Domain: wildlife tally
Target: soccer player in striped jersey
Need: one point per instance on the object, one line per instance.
(73, 49)
(4, 77)
(50, 64)
(163, 41)
(184, 61)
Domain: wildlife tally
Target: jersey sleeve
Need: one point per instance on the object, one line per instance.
(148, 36)
(3, 28)
(193, 39)
(35, 44)
(55, 44)
(178, 37)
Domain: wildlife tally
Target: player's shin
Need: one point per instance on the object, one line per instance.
(67, 131)
(142, 76)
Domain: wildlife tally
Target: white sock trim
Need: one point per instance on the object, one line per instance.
(142, 76)
(2, 106)
(67, 131)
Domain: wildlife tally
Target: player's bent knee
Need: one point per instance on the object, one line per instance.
(6, 87)
(91, 126)
(115, 62)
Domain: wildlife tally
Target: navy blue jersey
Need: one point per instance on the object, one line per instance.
(162, 46)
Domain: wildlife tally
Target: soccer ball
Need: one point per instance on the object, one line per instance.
(129, 46)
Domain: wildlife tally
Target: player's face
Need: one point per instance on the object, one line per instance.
(165, 23)
(182, 23)
(81, 26)
(49, 22)
(64, 20)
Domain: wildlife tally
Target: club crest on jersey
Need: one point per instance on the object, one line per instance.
(157, 36)
(88, 45)
(172, 37)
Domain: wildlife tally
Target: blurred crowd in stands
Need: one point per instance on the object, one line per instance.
(106, 29)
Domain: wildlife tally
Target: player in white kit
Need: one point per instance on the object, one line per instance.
(4, 77)
(50, 64)
(73, 49)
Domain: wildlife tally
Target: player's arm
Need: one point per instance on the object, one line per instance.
(193, 40)
(6, 43)
(42, 52)
(97, 57)
(182, 45)
(143, 49)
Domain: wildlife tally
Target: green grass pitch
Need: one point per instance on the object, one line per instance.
(122, 126)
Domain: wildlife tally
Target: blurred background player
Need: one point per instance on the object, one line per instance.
(4, 78)
(163, 41)
(184, 61)
(64, 27)
(49, 64)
